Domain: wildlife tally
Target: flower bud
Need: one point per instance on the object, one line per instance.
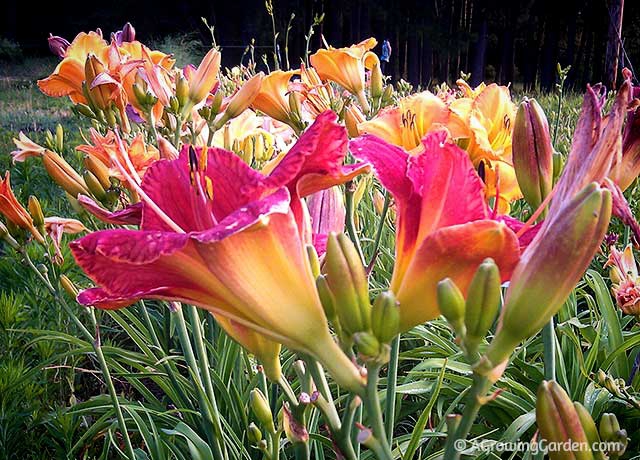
(99, 94)
(370, 348)
(59, 137)
(94, 186)
(7, 238)
(532, 152)
(559, 422)
(182, 90)
(261, 409)
(85, 110)
(99, 170)
(385, 317)
(128, 33)
(314, 262)
(245, 96)
(387, 95)
(377, 82)
(347, 281)
(58, 45)
(452, 306)
(378, 201)
(63, 174)
(609, 427)
(254, 435)
(68, 286)
(590, 429)
(36, 212)
(204, 78)
(483, 302)
(327, 298)
(550, 269)
(216, 103)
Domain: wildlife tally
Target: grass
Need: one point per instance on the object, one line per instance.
(53, 401)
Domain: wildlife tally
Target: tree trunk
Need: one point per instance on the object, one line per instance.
(616, 8)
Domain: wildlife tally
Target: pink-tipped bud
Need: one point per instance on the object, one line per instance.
(58, 45)
(532, 152)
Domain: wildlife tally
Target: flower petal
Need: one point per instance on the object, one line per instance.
(131, 215)
(454, 252)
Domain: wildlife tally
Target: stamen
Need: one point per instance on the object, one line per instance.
(529, 223)
(144, 197)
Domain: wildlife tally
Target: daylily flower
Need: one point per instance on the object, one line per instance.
(273, 97)
(14, 211)
(317, 96)
(624, 277)
(488, 119)
(25, 148)
(224, 237)
(346, 66)
(56, 227)
(138, 154)
(67, 78)
(406, 124)
(443, 225)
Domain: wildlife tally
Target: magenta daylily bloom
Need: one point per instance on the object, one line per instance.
(443, 224)
(217, 234)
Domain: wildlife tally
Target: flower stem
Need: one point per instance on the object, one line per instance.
(350, 189)
(392, 380)
(374, 412)
(549, 343)
(475, 401)
(206, 406)
(97, 348)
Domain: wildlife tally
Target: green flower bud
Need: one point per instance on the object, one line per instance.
(261, 409)
(347, 281)
(385, 317)
(254, 434)
(314, 261)
(590, 429)
(559, 422)
(36, 212)
(94, 185)
(483, 302)
(452, 305)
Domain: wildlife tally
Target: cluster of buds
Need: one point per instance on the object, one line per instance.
(343, 289)
(618, 388)
(471, 319)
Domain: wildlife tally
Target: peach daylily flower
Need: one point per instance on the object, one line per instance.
(25, 148)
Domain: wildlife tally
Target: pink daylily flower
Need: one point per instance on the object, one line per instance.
(443, 224)
(217, 234)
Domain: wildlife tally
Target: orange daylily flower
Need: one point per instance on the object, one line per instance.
(68, 76)
(407, 123)
(104, 148)
(346, 66)
(273, 99)
(13, 210)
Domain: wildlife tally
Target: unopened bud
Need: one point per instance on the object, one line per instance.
(254, 435)
(609, 427)
(94, 186)
(261, 409)
(314, 262)
(99, 170)
(63, 174)
(483, 302)
(6, 236)
(59, 137)
(36, 212)
(58, 45)
(99, 94)
(589, 427)
(85, 110)
(68, 286)
(378, 201)
(532, 152)
(558, 420)
(376, 82)
(452, 305)
(387, 95)
(128, 33)
(327, 298)
(347, 281)
(182, 90)
(385, 317)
